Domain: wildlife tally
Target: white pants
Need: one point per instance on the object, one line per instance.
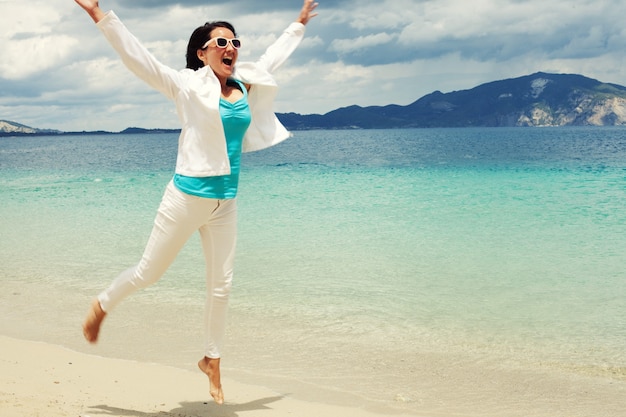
(178, 217)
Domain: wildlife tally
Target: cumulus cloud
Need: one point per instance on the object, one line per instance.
(29, 43)
(344, 46)
(23, 58)
(244, 6)
(491, 29)
(57, 71)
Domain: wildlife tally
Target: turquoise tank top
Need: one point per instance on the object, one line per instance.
(236, 118)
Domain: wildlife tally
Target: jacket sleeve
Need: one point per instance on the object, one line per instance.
(138, 59)
(278, 52)
(265, 129)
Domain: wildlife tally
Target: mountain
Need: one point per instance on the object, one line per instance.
(8, 128)
(539, 99)
(13, 128)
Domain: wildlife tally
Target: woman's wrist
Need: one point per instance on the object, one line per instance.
(96, 14)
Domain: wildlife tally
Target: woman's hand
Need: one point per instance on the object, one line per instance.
(92, 8)
(306, 13)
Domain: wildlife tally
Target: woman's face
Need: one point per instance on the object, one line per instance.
(221, 60)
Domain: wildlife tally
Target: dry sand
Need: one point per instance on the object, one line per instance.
(38, 379)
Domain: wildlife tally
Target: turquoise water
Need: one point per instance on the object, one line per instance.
(505, 242)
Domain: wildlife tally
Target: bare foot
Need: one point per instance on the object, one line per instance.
(91, 325)
(211, 367)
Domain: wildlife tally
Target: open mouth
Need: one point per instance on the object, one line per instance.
(228, 61)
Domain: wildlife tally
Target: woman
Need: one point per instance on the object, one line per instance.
(224, 109)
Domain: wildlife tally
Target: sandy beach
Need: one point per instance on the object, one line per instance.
(38, 379)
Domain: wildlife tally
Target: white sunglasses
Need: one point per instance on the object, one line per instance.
(223, 42)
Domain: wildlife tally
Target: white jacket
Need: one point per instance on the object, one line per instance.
(202, 144)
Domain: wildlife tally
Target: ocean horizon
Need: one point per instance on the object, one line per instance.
(412, 256)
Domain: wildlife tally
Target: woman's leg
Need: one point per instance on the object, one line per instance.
(178, 217)
(219, 237)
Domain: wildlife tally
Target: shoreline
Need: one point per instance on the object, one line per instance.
(264, 360)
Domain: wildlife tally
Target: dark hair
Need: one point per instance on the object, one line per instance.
(198, 39)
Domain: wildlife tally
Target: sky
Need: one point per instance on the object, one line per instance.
(58, 72)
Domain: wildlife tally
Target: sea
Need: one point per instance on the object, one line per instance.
(390, 269)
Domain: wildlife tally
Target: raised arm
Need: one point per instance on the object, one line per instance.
(277, 53)
(134, 55)
(307, 12)
(92, 8)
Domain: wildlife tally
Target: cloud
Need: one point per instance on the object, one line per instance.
(486, 29)
(29, 43)
(246, 6)
(57, 71)
(344, 46)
